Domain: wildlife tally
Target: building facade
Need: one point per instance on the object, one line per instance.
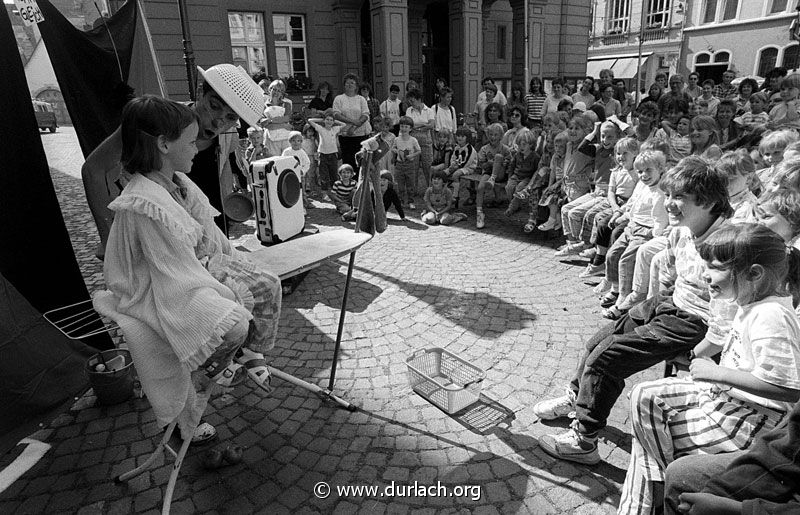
(682, 36)
(383, 41)
(749, 36)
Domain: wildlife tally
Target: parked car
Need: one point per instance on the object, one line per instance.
(45, 115)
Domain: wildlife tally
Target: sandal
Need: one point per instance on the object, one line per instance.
(529, 227)
(614, 313)
(203, 434)
(609, 299)
(256, 367)
(228, 376)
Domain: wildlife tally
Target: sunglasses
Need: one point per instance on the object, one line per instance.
(516, 115)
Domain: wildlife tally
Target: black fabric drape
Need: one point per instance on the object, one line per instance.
(87, 69)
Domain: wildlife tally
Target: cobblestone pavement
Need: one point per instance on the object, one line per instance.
(496, 297)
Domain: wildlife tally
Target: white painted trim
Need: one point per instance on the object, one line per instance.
(618, 56)
(710, 58)
(716, 25)
(768, 7)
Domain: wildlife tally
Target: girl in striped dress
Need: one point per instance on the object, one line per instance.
(721, 408)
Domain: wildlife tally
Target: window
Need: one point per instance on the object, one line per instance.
(710, 12)
(290, 44)
(619, 12)
(722, 57)
(791, 57)
(767, 60)
(501, 42)
(703, 58)
(731, 9)
(657, 14)
(777, 6)
(247, 40)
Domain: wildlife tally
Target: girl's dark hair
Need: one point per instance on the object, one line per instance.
(599, 111)
(144, 119)
(493, 105)
(415, 94)
(535, 80)
(740, 248)
(522, 113)
(752, 82)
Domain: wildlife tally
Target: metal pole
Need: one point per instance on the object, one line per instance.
(639, 65)
(342, 313)
(526, 53)
(188, 53)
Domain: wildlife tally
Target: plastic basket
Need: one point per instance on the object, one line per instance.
(444, 379)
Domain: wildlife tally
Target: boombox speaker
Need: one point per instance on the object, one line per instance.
(278, 195)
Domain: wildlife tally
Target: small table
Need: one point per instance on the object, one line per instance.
(301, 255)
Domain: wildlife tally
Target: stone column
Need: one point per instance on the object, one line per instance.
(535, 39)
(347, 24)
(390, 48)
(466, 52)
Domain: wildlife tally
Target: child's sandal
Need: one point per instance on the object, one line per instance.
(613, 313)
(529, 227)
(609, 299)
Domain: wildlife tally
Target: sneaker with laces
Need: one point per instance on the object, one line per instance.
(593, 270)
(552, 409)
(480, 223)
(588, 253)
(571, 445)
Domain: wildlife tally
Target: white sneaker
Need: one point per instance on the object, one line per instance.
(592, 270)
(559, 407)
(549, 225)
(480, 222)
(572, 446)
(588, 253)
(603, 287)
(570, 249)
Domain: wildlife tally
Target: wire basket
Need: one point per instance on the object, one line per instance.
(444, 379)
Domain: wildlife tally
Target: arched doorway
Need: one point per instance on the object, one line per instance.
(366, 48)
(54, 97)
(436, 46)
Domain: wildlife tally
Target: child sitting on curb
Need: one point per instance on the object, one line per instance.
(647, 218)
(524, 164)
(463, 161)
(577, 216)
(492, 162)
(342, 192)
(438, 202)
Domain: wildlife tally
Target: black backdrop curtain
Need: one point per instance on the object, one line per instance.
(39, 367)
(92, 80)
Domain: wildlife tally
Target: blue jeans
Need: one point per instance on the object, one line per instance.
(651, 332)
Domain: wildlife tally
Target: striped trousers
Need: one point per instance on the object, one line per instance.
(675, 417)
(577, 217)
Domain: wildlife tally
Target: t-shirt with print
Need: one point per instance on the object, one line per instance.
(691, 289)
(403, 147)
(765, 341)
(439, 200)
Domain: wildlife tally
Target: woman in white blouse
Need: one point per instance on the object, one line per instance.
(352, 109)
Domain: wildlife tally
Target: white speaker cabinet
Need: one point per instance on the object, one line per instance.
(278, 195)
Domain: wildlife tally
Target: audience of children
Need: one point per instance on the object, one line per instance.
(671, 292)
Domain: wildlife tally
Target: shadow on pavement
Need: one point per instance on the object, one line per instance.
(465, 309)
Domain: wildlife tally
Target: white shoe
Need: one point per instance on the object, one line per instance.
(480, 222)
(592, 271)
(572, 446)
(588, 253)
(570, 249)
(603, 287)
(549, 225)
(556, 408)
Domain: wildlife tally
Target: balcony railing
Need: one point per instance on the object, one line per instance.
(655, 34)
(615, 39)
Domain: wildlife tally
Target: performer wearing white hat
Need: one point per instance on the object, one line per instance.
(227, 94)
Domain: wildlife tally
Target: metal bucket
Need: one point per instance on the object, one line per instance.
(111, 376)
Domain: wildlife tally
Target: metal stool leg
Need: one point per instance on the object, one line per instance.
(202, 403)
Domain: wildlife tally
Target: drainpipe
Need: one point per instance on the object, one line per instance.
(526, 53)
(639, 65)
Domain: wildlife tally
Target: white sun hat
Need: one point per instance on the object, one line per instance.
(237, 89)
